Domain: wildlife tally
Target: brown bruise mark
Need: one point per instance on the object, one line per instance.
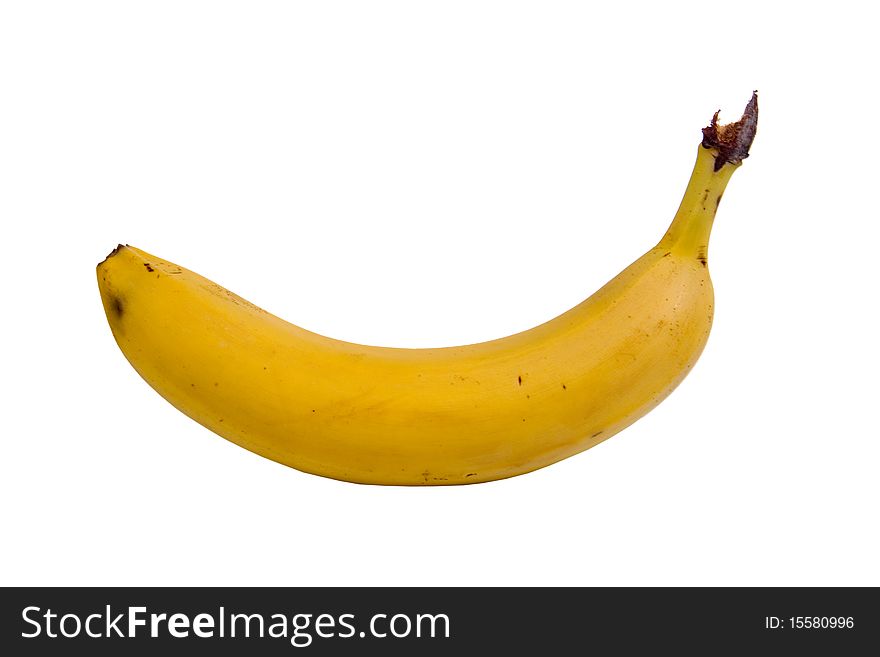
(470, 474)
(718, 201)
(702, 256)
(149, 268)
(519, 379)
(667, 254)
(563, 387)
(597, 434)
(116, 307)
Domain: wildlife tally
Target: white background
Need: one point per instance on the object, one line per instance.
(412, 174)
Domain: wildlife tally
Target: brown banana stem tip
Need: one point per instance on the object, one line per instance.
(732, 141)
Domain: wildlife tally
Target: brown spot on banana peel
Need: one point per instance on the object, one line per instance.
(702, 256)
(733, 140)
(116, 306)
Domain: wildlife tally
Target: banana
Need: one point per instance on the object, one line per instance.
(453, 415)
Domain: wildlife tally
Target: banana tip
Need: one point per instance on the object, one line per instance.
(733, 140)
(118, 248)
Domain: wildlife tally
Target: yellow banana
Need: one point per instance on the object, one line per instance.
(454, 415)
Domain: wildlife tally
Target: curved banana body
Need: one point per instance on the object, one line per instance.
(440, 416)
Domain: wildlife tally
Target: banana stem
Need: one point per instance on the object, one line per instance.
(723, 149)
(688, 235)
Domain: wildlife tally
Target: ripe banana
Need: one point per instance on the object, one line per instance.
(454, 415)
